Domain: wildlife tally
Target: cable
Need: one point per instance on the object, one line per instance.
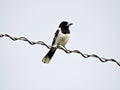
(60, 47)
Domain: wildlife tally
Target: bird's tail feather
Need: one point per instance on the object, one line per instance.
(49, 55)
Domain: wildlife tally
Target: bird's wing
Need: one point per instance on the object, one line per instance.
(54, 39)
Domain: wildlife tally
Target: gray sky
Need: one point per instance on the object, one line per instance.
(96, 29)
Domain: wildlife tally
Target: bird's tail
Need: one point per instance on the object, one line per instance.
(49, 55)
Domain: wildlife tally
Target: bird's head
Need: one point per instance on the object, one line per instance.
(65, 25)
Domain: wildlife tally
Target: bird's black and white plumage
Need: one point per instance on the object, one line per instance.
(61, 38)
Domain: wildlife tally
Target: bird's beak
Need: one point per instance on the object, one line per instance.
(70, 24)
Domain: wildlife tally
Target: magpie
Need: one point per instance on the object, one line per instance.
(61, 38)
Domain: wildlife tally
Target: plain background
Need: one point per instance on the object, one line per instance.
(96, 30)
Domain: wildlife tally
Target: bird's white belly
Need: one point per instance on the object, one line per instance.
(62, 39)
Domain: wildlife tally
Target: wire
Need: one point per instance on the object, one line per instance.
(61, 47)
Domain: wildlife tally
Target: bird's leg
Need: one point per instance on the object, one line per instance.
(68, 51)
(65, 48)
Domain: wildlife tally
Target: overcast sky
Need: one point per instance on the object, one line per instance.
(96, 30)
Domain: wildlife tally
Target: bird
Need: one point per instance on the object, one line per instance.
(61, 37)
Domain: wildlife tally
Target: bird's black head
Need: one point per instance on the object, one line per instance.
(65, 25)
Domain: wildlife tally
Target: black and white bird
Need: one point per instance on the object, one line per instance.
(61, 38)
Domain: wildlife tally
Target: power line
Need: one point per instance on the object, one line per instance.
(60, 47)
